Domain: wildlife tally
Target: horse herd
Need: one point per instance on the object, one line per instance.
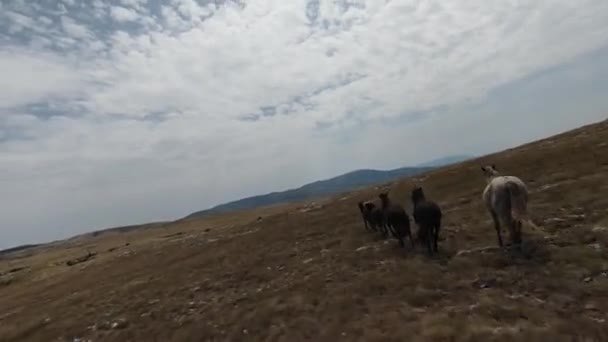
(505, 197)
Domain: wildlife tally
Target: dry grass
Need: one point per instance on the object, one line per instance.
(300, 273)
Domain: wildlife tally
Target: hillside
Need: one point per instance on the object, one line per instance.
(309, 271)
(446, 161)
(345, 182)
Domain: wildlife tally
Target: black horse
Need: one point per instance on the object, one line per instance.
(396, 219)
(427, 216)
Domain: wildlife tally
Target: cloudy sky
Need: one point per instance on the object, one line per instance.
(128, 111)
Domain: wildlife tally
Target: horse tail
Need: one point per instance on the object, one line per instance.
(519, 202)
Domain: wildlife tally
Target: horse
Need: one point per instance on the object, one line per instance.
(427, 215)
(506, 198)
(364, 215)
(395, 219)
(374, 216)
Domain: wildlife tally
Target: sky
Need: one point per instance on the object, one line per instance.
(130, 111)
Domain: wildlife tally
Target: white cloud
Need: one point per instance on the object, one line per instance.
(122, 14)
(33, 78)
(74, 29)
(98, 112)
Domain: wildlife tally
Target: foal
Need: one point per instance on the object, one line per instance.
(427, 216)
(506, 198)
(396, 219)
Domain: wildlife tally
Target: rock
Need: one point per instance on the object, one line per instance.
(588, 279)
(579, 217)
(599, 229)
(196, 289)
(120, 324)
(362, 248)
(6, 280)
(591, 307)
(484, 284)
(105, 325)
(153, 301)
(307, 261)
(477, 250)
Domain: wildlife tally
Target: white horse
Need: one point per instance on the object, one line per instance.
(506, 198)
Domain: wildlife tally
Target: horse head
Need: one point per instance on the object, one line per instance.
(369, 206)
(417, 194)
(490, 172)
(384, 199)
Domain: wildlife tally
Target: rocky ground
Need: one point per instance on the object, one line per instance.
(310, 271)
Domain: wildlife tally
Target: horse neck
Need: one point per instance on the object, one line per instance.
(490, 179)
(418, 201)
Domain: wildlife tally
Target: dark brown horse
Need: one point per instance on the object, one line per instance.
(395, 219)
(427, 216)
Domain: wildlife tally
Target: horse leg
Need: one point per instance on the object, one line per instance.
(497, 227)
(429, 238)
(385, 228)
(409, 233)
(401, 243)
(435, 238)
(515, 230)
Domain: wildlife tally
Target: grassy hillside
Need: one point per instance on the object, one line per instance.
(346, 182)
(310, 272)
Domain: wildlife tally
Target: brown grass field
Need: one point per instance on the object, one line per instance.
(311, 272)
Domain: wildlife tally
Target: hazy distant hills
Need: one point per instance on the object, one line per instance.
(342, 183)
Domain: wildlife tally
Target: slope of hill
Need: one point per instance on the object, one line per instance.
(311, 272)
(345, 182)
(445, 161)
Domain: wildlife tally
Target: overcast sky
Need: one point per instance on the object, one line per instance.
(128, 111)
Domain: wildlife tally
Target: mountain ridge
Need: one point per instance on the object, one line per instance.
(341, 183)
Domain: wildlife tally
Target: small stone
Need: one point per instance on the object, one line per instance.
(245, 331)
(102, 326)
(145, 314)
(307, 261)
(591, 307)
(588, 279)
(120, 324)
(196, 289)
(153, 301)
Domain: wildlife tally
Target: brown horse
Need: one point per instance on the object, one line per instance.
(396, 220)
(427, 216)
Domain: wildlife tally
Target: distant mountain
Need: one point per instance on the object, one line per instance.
(446, 161)
(343, 183)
